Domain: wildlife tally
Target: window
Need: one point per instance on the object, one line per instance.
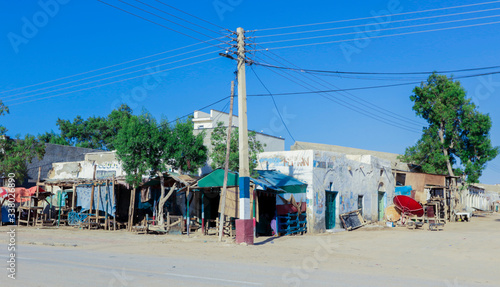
(400, 179)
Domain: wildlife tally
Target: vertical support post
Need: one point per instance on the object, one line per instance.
(202, 213)
(91, 204)
(131, 209)
(113, 200)
(187, 212)
(222, 201)
(97, 217)
(38, 181)
(73, 198)
(106, 207)
(59, 197)
(244, 229)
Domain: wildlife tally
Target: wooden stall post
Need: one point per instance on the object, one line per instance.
(106, 208)
(91, 204)
(73, 198)
(114, 200)
(187, 213)
(97, 217)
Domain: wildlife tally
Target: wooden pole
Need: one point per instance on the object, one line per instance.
(91, 204)
(106, 206)
(97, 216)
(188, 217)
(114, 202)
(73, 198)
(38, 181)
(226, 166)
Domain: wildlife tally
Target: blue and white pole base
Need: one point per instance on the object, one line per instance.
(244, 225)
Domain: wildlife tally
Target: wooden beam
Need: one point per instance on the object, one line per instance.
(114, 201)
(91, 204)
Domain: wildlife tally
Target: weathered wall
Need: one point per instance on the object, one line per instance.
(350, 176)
(418, 181)
(106, 164)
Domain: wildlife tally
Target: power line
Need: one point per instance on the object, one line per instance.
(151, 13)
(374, 17)
(211, 23)
(361, 101)
(111, 66)
(346, 104)
(381, 36)
(161, 25)
(99, 80)
(84, 89)
(377, 73)
(180, 18)
(378, 23)
(379, 30)
(274, 102)
(114, 71)
(365, 88)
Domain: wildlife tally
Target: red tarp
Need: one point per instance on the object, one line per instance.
(19, 191)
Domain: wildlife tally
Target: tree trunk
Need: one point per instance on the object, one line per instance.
(163, 199)
(445, 150)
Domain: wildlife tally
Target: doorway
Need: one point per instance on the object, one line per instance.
(381, 205)
(330, 203)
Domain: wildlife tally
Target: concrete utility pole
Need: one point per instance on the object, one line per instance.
(244, 225)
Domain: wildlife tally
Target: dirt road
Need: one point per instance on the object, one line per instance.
(464, 254)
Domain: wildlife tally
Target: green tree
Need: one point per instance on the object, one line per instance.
(94, 132)
(219, 143)
(188, 151)
(15, 154)
(457, 139)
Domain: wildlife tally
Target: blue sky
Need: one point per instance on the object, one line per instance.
(73, 37)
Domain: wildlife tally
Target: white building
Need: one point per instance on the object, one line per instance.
(208, 122)
(336, 183)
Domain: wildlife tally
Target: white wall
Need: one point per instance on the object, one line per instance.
(350, 176)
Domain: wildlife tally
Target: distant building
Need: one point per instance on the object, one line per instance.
(204, 122)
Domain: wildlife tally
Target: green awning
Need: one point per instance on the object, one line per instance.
(216, 179)
(282, 181)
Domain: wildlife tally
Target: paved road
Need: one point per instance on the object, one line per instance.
(70, 266)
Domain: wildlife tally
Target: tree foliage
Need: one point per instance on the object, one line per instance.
(219, 143)
(94, 132)
(188, 151)
(457, 139)
(15, 154)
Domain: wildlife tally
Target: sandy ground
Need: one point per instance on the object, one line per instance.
(463, 254)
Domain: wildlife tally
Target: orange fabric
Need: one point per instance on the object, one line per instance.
(21, 191)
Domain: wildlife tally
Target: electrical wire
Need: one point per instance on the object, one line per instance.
(379, 73)
(351, 96)
(344, 103)
(177, 17)
(156, 23)
(99, 80)
(208, 22)
(379, 30)
(84, 89)
(379, 16)
(381, 36)
(114, 71)
(378, 23)
(163, 18)
(111, 66)
(365, 88)
(274, 102)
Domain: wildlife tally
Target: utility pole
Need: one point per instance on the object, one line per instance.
(226, 166)
(244, 225)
